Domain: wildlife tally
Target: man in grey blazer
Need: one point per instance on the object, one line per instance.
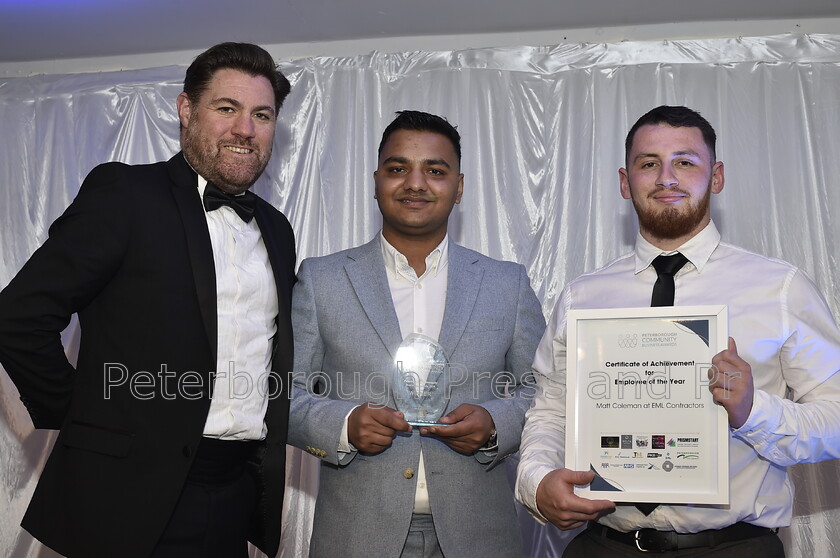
(388, 490)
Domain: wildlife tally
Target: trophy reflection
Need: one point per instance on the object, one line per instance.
(420, 380)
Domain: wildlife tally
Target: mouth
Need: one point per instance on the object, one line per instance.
(669, 197)
(414, 201)
(239, 149)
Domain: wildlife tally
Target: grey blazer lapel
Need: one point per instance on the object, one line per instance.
(366, 271)
(462, 286)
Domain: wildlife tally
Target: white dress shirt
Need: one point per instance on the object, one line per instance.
(783, 329)
(419, 303)
(246, 304)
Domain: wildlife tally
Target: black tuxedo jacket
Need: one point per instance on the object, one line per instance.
(132, 256)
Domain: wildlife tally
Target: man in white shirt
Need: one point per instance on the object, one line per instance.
(173, 421)
(387, 490)
(778, 384)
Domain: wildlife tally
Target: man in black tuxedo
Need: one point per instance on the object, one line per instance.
(173, 422)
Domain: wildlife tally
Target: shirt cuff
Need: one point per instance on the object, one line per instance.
(526, 489)
(763, 425)
(344, 445)
(764, 416)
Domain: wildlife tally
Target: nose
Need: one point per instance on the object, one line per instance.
(667, 178)
(243, 126)
(415, 180)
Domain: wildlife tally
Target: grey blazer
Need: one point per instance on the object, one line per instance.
(346, 335)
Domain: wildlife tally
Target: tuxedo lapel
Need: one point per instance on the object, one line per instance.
(367, 275)
(276, 257)
(185, 192)
(462, 287)
(281, 255)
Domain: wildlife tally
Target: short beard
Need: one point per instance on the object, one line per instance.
(229, 179)
(671, 223)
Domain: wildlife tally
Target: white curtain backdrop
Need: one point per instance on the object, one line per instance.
(543, 131)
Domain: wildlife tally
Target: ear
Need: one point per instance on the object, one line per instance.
(717, 177)
(460, 188)
(624, 184)
(375, 187)
(184, 108)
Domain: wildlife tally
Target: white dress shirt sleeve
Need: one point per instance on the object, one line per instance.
(805, 428)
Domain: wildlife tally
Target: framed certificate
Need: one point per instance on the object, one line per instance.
(638, 408)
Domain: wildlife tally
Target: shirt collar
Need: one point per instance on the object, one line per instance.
(202, 184)
(397, 264)
(698, 249)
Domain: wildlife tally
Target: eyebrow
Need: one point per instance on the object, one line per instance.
(675, 154)
(237, 104)
(405, 161)
(688, 152)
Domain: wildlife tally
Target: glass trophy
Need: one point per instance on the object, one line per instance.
(420, 382)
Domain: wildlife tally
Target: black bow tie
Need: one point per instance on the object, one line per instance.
(243, 204)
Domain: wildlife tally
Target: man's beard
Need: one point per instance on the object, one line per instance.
(229, 177)
(672, 222)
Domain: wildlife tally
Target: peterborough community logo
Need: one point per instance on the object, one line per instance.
(628, 340)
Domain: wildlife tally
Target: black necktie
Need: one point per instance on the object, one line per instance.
(243, 204)
(663, 289)
(663, 295)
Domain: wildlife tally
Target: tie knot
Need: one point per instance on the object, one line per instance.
(243, 205)
(669, 265)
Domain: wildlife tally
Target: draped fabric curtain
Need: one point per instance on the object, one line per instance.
(543, 131)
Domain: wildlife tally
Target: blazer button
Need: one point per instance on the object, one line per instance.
(187, 451)
(408, 473)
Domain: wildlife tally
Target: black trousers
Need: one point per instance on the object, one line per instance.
(589, 544)
(214, 511)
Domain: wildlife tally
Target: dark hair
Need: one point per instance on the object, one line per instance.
(678, 117)
(422, 122)
(245, 57)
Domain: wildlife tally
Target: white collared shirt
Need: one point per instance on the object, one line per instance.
(783, 329)
(419, 303)
(246, 304)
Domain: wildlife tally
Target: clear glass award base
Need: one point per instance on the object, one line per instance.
(420, 423)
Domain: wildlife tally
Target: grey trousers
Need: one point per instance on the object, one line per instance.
(421, 541)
